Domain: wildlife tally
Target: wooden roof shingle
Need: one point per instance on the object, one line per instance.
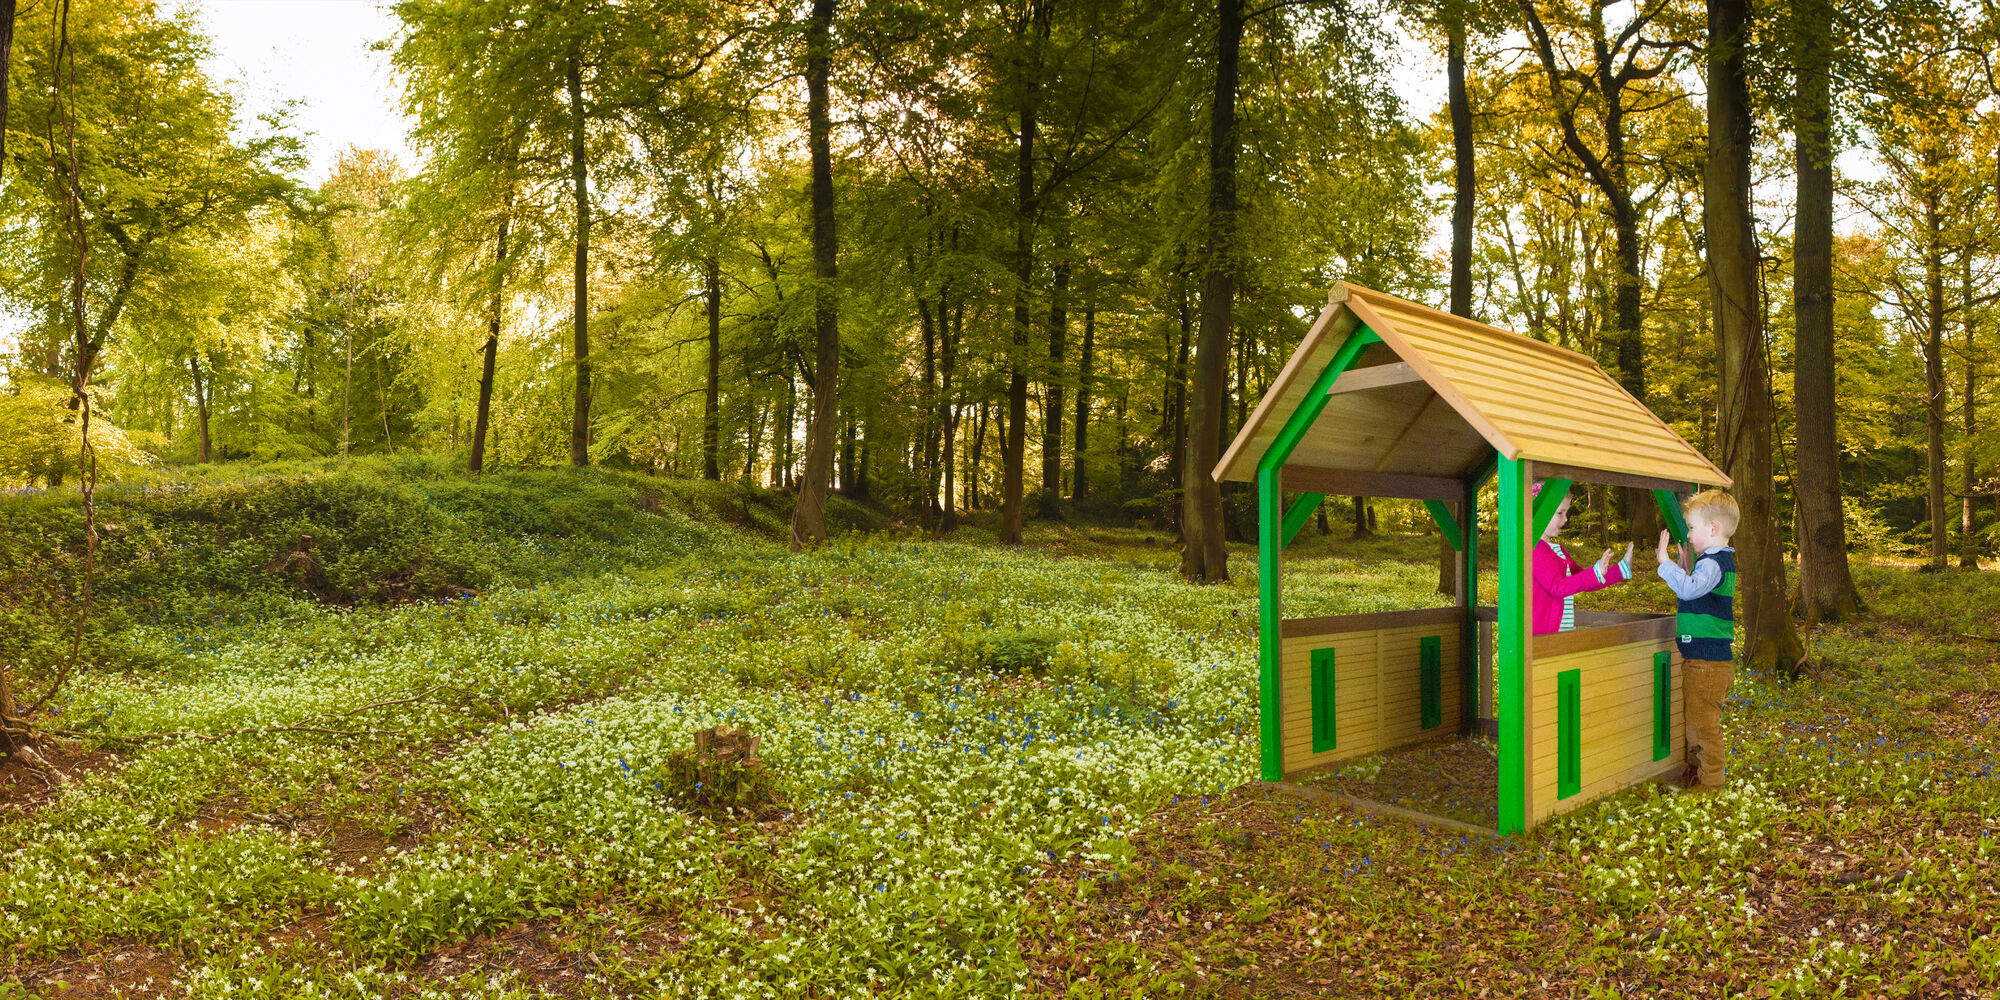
(1467, 387)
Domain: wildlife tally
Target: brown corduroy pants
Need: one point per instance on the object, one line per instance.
(1704, 684)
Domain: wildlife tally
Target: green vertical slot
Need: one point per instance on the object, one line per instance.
(1430, 680)
(1663, 704)
(1569, 733)
(1324, 734)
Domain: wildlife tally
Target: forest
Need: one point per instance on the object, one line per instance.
(1040, 253)
(851, 374)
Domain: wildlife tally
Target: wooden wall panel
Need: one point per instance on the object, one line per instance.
(1378, 701)
(1616, 722)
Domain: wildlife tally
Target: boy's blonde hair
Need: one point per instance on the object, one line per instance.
(1714, 505)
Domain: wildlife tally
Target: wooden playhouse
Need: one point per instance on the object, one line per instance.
(1387, 398)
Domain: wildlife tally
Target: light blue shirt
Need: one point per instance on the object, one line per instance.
(1688, 586)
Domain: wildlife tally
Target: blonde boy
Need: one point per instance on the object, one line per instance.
(1706, 621)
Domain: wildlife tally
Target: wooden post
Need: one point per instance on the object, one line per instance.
(1514, 650)
(1468, 601)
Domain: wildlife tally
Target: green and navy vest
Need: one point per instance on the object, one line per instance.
(1707, 624)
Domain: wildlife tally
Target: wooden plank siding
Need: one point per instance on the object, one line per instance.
(1616, 715)
(1377, 682)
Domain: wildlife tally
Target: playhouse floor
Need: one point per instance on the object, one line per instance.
(1456, 778)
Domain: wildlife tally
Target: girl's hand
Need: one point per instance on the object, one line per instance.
(1628, 554)
(1604, 561)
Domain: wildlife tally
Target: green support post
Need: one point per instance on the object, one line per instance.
(1670, 511)
(1300, 512)
(1553, 491)
(1511, 648)
(1271, 545)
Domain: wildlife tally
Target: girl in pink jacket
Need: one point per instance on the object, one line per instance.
(1558, 578)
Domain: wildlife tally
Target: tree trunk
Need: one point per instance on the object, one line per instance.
(1176, 404)
(973, 457)
(1364, 525)
(948, 411)
(579, 172)
(1968, 554)
(347, 394)
(1934, 361)
(931, 406)
(202, 447)
(1826, 584)
(1052, 394)
(1769, 639)
(711, 399)
(809, 514)
(1464, 179)
(1013, 443)
(382, 396)
(1080, 483)
(1204, 558)
(6, 71)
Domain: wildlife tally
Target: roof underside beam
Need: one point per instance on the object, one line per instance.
(1390, 485)
(1580, 474)
(1375, 377)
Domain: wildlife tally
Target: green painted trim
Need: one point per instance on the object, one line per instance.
(1663, 704)
(1446, 523)
(1569, 733)
(1299, 513)
(1553, 491)
(1469, 628)
(1325, 734)
(1510, 640)
(1270, 545)
(1301, 420)
(1670, 510)
(1430, 681)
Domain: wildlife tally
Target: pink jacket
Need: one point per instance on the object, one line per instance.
(1559, 576)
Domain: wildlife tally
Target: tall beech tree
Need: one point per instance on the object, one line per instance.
(1204, 559)
(809, 514)
(1745, 421)
(1826, 585)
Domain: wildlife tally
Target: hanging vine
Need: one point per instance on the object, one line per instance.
(17, 728)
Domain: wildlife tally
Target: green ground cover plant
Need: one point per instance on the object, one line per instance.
(993, 771)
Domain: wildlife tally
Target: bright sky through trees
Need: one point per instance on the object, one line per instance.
(315, 52)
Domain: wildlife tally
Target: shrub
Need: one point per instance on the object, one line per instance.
(1021, 651)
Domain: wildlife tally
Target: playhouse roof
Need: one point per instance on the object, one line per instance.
(1439, 394)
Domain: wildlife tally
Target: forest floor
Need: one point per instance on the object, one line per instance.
(997, 771)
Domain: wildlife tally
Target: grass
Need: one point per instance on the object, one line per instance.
(996, 770)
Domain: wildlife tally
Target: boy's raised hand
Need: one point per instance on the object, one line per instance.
(1661, 552)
